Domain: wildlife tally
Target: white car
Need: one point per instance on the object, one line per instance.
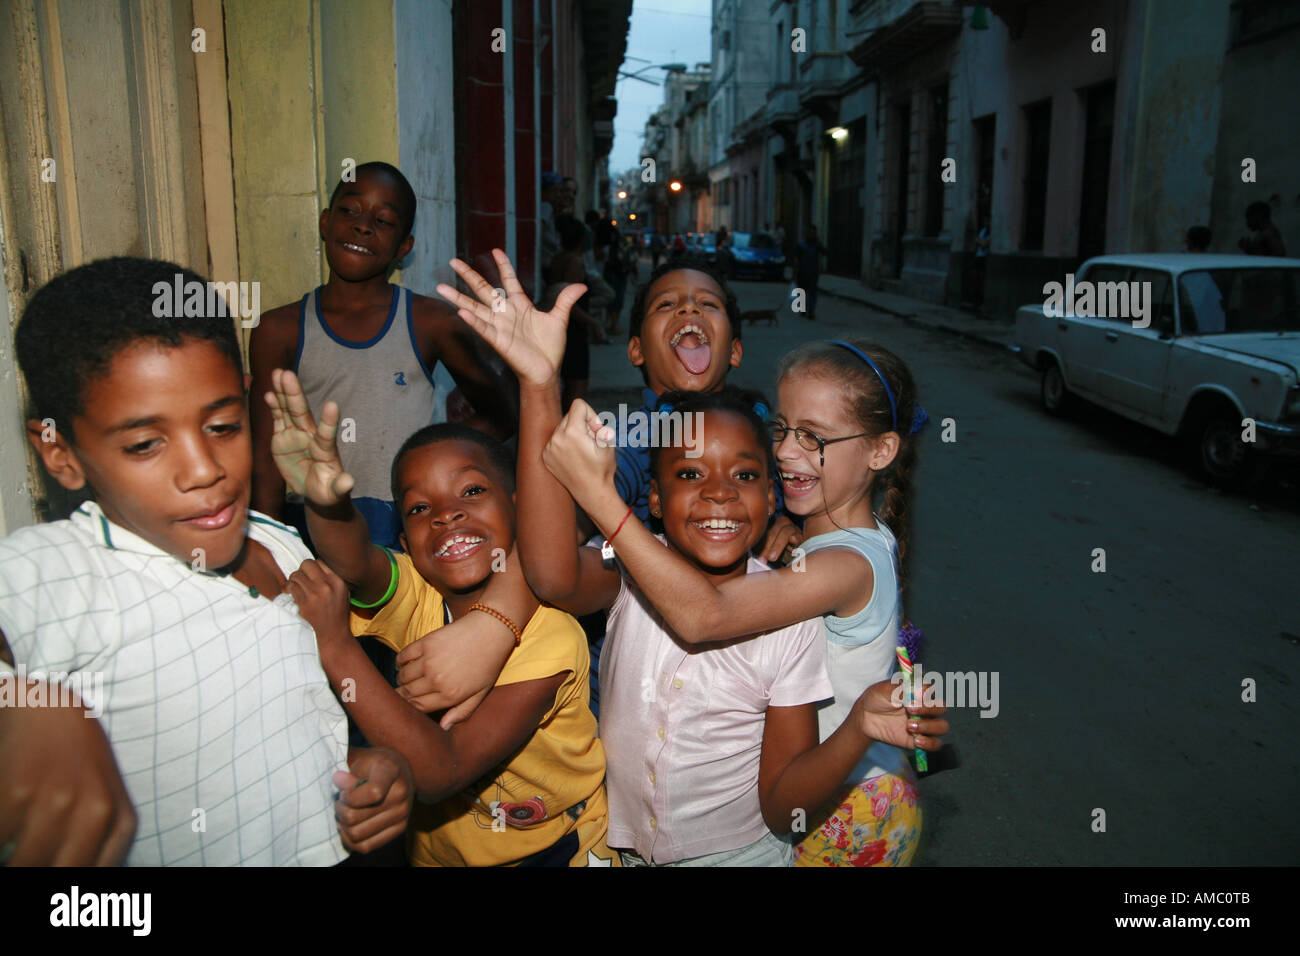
(1203, 346)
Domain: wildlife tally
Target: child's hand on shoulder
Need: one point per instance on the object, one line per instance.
(322, 599)
(531, 341)
(306, 452)
(782, 537)
(581, 456)
(880, 714)
(375, 798)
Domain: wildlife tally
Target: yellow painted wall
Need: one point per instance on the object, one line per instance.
(315, 84)
(274, 136)
(360, 84)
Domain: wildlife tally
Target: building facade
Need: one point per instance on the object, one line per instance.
(211, 133)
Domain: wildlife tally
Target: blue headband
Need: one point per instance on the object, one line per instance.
(919, 417)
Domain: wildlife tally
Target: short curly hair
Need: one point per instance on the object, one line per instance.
(77, 323)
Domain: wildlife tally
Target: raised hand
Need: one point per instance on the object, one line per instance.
(530, 341)
(305, 451)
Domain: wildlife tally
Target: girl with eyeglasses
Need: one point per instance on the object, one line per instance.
(844, 438)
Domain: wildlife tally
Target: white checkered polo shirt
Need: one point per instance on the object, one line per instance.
(214, 700)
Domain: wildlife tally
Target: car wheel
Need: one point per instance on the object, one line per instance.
(1224, 458)
(1056, 397)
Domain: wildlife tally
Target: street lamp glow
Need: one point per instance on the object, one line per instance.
(622, 194)
(675, 186)
(632, 217)
(613, 222)
(838, 133)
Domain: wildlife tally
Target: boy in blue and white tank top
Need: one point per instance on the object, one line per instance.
(389, 356)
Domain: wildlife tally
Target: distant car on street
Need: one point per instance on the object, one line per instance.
(1212, 354)
(706, 247)
(752, 253)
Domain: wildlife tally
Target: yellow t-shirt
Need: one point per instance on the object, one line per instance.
(553, 785)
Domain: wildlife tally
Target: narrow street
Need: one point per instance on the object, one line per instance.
(1119, 691)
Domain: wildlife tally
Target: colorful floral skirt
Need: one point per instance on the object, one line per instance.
(873, 823)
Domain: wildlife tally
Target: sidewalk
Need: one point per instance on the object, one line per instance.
(986, 331)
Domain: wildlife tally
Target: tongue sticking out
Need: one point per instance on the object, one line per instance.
(693, 354)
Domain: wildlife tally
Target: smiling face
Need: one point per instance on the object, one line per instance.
(455, 513)
(365, 228)
(163, 442)
(842, 487)
(685, 340)
(715, 507)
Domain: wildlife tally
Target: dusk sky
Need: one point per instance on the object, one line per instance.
(663, 31)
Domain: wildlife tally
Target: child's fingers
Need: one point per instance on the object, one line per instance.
(371, 792)
(463, 302)
(480, 286)
(342, 484)
(509, 281)
(567, 299)
(463, 711)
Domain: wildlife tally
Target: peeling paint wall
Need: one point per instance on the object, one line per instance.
(1171, 165)
(1260, 82)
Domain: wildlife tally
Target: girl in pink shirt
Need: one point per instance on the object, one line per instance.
(844, 435)
(710, 750)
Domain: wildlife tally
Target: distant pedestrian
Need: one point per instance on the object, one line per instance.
(679, 245)
(1264, 239)
(808, 270)
(656, 250)
(1198, 239)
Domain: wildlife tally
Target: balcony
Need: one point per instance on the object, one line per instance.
(920, 28)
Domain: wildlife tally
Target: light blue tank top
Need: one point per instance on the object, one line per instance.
(385, 393)
(860, 649)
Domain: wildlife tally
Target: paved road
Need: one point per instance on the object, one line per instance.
(1119, 691)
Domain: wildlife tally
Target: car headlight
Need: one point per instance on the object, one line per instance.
(1293, 403)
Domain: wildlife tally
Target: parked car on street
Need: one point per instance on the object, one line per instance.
(706, 247)
(752, 253)
(1205, 347)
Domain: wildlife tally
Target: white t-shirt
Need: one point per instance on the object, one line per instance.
(214, 701)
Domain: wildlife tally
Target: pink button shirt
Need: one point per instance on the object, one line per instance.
(683, 727)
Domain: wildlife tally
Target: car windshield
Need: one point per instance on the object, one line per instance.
(1224, 301)
(753, 240)
(708, 242)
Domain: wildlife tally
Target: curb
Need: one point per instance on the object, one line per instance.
(911, 319)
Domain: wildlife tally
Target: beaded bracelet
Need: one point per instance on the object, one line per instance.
(502, 618)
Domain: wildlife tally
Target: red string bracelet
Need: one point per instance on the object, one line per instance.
(607, 549)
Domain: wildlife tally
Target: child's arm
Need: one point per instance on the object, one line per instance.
(443, 762)
(797, 773)
(62, 800)
(559, 571)
(273, 345)
(307, 455)
(455, 667)
(833, 581)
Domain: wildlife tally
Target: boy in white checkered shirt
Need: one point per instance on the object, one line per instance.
(229, 740)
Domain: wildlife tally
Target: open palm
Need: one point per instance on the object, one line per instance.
(305, 450)
(531, 341)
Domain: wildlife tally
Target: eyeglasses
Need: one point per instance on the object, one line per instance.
(808, 440)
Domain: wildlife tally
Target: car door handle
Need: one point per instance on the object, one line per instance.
(1062, 326)
(1112, 336)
